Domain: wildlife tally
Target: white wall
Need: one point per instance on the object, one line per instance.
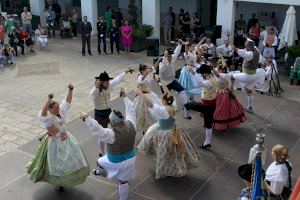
(247, 9)
(286, 2)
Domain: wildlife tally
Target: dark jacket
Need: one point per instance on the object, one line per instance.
(114, 32)
(101, 27)
(86, 28)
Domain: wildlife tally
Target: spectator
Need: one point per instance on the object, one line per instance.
(126, 37)
(173, 22)
(26, 39)
(101, 29)
(263, 33)
(26, 20)
(15, 41)
(2, 30)
(274, 20)
(269, 43)
(114, 37)
(6, 54)
(278, 174)
(86, 30)
(41, 36)
(226, 51)
(295, 72)
(197, 28)
(167, 25)
(9, 24)
(180, 19)
(108, 18)
(186, 28)
(210, 48)
(254, 34)
(252, 22)
(118, 16)
(240, 29)
(50, 19)
(74, 22)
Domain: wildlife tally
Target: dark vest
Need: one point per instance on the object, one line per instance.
(251, 66)
(123, 147)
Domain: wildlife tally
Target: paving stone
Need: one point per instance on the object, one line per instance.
(26, 135)
(9, 137)
(3, 110)
(8, 146)
(21, 141)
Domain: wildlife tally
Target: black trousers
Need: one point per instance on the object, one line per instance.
(207, 111)
(15, 47)
(74, 29)
(103, 39)
(86, 40)
(112, 41)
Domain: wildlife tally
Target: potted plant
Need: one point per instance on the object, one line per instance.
(140, 31)
(292, 53)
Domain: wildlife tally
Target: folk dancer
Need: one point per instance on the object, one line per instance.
(104, 85)
(59, 160)
(174, 149)
(229, 112)
(119, 162)
(143, 116)
(247, 78)
(167, 74)
(208, 105)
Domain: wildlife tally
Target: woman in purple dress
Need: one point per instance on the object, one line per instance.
(126, 37)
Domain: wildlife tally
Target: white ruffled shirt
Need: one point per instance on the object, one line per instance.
(278, 175)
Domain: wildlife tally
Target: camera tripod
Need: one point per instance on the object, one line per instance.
(274, 85)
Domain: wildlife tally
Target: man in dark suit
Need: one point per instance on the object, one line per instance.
(173, 23)
(101, 28)
(86, 30)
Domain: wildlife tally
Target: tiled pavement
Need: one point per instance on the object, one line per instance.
(216, 178)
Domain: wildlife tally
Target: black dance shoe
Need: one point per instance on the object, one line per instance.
(205, 146)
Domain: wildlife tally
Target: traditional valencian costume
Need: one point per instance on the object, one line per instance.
(208, 105)
(59, 160)
(174, 149)
(143, 116)
(229, 112)
(119, 162)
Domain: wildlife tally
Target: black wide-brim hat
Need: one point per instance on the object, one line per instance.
(103, 77)
(245, 172)
(204, 69)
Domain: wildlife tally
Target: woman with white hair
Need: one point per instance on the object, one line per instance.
(41, 36)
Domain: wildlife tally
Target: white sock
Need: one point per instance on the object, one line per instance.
(123, 191)
(183, 100)
(250, 100)
(208, 132)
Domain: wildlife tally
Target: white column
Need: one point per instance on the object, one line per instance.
(37, 7)
(151, 14)
(226, 17)
(89, 8)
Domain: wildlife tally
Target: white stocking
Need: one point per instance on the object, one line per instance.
(208, 132)
(123, 191)
(183, 100)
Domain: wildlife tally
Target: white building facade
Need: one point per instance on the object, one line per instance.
(225, 12)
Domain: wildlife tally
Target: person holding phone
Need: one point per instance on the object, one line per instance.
(104, 85)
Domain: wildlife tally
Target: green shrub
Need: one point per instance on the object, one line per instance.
(142, 32)
(294, 51)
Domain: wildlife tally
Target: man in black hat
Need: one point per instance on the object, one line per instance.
(245, 172)
(208, 105)
(101, 98)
